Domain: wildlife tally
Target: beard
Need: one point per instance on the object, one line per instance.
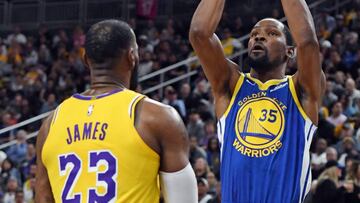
(263, 63)
(134, 78)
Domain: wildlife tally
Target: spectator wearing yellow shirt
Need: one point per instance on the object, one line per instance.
(229, 43)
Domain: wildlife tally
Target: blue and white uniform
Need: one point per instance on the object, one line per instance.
(265, 138)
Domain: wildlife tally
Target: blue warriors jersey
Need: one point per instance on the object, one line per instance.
(265, 139)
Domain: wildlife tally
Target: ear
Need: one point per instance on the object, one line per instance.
(291, 52)
(131, 57)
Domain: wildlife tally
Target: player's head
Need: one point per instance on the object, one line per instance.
(111, 47)
(270, 45)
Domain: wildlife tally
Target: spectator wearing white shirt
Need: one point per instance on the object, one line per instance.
(17, 36)
(318, 159)
(337, 118)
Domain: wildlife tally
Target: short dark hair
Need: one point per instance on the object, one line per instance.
(107, 39)
(288, 36)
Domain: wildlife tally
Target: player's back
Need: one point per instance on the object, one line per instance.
(93, 152)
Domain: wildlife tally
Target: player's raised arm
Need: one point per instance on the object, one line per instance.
(221, 73)
(309, 77)
(43, 192)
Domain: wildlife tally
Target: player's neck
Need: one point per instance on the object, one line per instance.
(276, 73)
(105, 83)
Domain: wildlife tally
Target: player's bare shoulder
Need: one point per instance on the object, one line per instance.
(159, 124)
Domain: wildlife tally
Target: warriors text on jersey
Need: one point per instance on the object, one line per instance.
(265, 138)
(93, 152)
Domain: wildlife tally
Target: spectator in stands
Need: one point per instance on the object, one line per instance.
(16, 36)
(230, 44)
(329, 97)
(210, 132)
(12, 185)
(171, 98)
(8, 170)
(195, 125)
(30, 159)
(327, 187)
(196, 152)
(211, 178)
(17, 152)
(201, 168)
(353, 176)
(50, 104)
(203, 188)
(337, 118)
(331, 154)
(213, 155)
(352, 92)
(217, 197)
(29, 184)
(318, 158)
(19, 196)
(347, 149)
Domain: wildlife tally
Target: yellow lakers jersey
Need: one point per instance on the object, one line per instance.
(93, 152)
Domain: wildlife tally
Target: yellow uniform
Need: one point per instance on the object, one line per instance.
(93, 152)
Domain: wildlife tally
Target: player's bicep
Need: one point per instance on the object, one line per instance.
(213, 60)
(174, 142)
(43, 192)
(310, 75)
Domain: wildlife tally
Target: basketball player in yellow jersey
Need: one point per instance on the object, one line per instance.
(110, 144)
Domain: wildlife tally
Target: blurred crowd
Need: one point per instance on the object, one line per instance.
(39, 70)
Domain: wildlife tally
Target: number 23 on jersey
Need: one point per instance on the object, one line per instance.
(102, 163)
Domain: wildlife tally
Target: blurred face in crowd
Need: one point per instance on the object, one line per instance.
(51, 99)
(209, 128)
(339, 76)
(348, 165)
(321, 145)
(350, 85)
(200, 167)
(329, 86)
(194, 117)
(19, 197)
(21, 136)
(331, 154)
(202, 189)
(267, 47)
(211, 179)
(185, 90)
(338, 39)
(12, 185)
(6, 165)
(348, 145)
(201, 87)
(193, 142)
(218, 189)
(31, 151)
(214, 144)
(337, 109)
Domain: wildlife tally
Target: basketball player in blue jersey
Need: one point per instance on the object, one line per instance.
(110, 144)
(266, 119)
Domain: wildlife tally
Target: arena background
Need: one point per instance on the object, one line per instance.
(41, 46)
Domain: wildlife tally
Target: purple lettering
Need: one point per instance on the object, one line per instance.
(95, 131)
(103, 130)
(87, 131)
(69, 140)
(76, 133)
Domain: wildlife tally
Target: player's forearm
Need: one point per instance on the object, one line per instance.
(300, 22)
(207, 17)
